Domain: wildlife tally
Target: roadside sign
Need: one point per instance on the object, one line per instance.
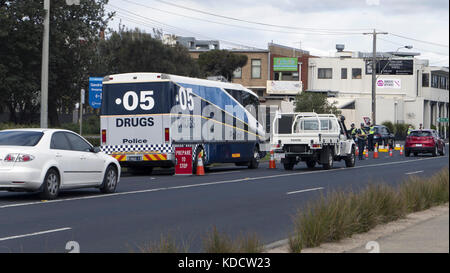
(183, 156)
(95, 92)
(366, 120)
(442, 120)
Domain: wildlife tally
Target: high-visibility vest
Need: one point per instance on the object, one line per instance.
(410, 130)
(361, 133)
(372, 130)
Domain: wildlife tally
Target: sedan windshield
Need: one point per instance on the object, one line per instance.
(421, 133)
(20, 138)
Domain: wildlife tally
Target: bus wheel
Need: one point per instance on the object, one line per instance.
(195, 161)
(254, 163)
(140, 170)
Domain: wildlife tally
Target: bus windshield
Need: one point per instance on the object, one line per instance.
(137, 98)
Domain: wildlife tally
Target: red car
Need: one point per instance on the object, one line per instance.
(424, 141)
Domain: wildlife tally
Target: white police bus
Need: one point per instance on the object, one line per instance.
(144, 116)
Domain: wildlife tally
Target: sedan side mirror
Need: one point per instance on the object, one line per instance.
(96, 150)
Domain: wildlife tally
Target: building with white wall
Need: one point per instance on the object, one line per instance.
(408, 89)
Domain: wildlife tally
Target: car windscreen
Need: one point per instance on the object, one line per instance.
(421, 134)
(20, 138)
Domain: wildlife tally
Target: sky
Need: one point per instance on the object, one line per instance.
(313, 25)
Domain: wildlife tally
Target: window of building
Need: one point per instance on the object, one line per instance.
(343, 73)
(286, 76)
(256, 69)
(325, 73)
(237, 74)
(356, 73)
(426, 79)
(434, 81)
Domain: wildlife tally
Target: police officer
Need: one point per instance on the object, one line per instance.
(352, 131)
(361, 135)
(410, 129)
(371, 130)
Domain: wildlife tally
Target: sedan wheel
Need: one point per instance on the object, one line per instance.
(50, 187)
(109, 181)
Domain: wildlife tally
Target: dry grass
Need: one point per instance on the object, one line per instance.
(340, 215)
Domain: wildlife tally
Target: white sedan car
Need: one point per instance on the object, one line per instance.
(50, 160)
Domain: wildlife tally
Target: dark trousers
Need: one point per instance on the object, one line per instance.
(371, 144)
(361, 146)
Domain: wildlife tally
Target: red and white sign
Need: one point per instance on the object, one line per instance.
(389, 83)
(183, 156)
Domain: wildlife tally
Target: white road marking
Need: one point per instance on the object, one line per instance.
(414, 172)
(224, 172)
(34, 234)
(315, 189)
(215, 183)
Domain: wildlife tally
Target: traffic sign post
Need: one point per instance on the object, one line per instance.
(95, 92)
(183, 157)
(442, 120)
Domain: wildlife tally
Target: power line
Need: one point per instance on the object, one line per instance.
(417, 40)
(241, 26)
(133, 15)
(425, 50)
(256, 23)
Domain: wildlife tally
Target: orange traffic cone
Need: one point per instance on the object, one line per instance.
(200, 168)
(272, 164)
(401, 150)
(367, 153)
(390, 152)
(375, 152)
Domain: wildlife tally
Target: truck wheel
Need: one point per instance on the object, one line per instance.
(350, 160)
(288, 166)
(310, 163)
(254, 163)
(329, 164)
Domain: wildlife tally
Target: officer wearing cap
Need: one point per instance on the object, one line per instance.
(361, 135)
(352, 131)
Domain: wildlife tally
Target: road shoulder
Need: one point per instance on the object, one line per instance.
(404, 235)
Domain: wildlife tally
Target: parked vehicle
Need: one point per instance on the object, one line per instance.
(383, 136)
(142, 115)
(424, 141)
(312, 138)
(49, 160)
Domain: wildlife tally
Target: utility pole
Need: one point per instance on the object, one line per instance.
(44, 72)
(45, 54)
(374, 72)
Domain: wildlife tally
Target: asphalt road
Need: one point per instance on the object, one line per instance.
(236, 200)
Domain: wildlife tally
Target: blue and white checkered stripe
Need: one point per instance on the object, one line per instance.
(161, 148)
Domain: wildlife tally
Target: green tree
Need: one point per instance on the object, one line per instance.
(315, 102)
(221, 62)
(74, 34)
(20, 45)
(136, 51)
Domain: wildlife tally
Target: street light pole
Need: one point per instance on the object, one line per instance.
(44, 72)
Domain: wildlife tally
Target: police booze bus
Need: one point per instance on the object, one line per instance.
(145, 116)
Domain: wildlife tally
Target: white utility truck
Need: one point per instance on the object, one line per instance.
(313, 138)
